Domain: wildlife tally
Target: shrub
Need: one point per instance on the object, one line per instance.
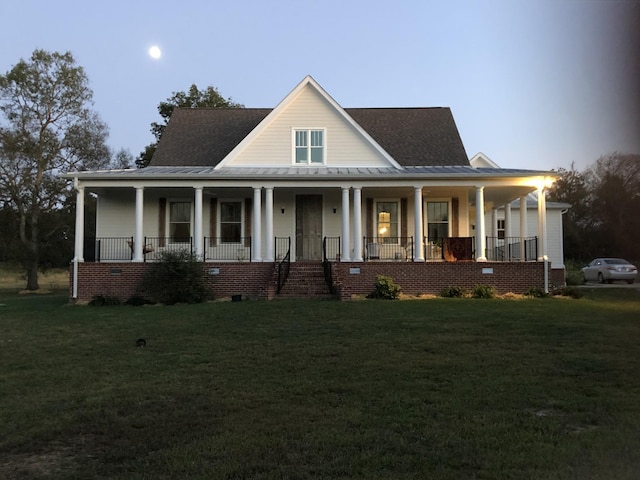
(385, 288)
(452, 292)
(137, 300)
(535, 293)
(569, 291)
(104, 301)
(176, 278)
(573, 275)
(483, 291)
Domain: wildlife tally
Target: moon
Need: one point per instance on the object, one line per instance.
(155, 52)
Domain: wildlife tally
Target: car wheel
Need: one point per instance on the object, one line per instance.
(629, 282)
(609, 281)
(600, 278)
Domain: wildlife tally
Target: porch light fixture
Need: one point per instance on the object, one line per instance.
(335, 210)
(282, 211)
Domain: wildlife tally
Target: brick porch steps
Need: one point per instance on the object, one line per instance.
(306, 280)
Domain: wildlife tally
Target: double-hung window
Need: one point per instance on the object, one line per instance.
(387, 221)
(309, 147)
(180, 222)
(437, 220)
(230, 222)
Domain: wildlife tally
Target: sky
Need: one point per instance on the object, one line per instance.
(541, 84)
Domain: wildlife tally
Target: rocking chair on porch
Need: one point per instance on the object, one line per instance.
(146, 249)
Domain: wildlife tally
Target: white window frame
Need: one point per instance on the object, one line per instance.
(309, 148)
(398, 203)
(219, 219)
(425, 209)
(168, 219)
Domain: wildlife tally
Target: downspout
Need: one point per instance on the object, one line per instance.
(546, 274)
(74, 288)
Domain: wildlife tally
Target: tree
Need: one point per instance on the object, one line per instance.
(614, 181)
(605, 200)
(46, 127)
(572, 188)
(194, 98)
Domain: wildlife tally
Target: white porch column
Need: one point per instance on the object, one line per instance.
(256, 245)
(523, 227)
(357, 224)
(481, 241)
(346, 240)
(542, 224)
(418, 254)
(268, 227)
(138, 239)
(79, 238)
(197, 224)
(507, 221)
(494, 222)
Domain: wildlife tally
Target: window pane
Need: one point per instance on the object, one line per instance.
(316, 155)
(180, 212)
(230, 232)
(301, 138)
(180, 232)
(230, 212)
(437, 211)
(316, 138)
(301, 155)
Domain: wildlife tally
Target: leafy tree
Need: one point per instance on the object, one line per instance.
(572, 188)
(194, 98)
(46, 127)
(614, 181)
(605, 201)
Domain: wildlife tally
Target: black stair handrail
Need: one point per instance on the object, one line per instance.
(284, 265)
(326, 265)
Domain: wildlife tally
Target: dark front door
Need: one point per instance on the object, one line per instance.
(308, 227)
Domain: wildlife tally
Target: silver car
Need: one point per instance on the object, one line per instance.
(608, 270)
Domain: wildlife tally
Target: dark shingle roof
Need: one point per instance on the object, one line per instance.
(412, 136)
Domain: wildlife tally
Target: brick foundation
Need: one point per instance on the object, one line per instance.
(432, 277)
(121, 280)
(258, 280)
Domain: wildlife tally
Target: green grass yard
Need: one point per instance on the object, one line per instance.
(439, 388)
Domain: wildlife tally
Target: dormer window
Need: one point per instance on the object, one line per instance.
(309, 147)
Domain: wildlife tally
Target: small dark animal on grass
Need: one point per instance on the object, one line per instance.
(141, 342)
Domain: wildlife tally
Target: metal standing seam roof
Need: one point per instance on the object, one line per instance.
(333, 173)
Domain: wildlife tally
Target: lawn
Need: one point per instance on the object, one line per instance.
(439, 388)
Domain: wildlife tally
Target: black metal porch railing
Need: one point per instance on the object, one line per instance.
(283, 257)
(221, 249)
(388, 248)
(154, 247)
(512, 249)
(451, 249)
(330, 251)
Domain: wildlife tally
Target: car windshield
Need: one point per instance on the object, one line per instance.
(616, 261)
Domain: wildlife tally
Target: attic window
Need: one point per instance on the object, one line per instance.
(309, 147)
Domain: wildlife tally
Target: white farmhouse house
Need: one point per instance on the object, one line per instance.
(310, 198)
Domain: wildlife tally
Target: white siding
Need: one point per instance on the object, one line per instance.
(344, 145)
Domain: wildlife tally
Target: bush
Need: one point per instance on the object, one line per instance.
(483, 291)
(137, 301)
(569, 291)
(536, 293)
(176, 278)
(385, 288)
(104, 301)
(573, 275)
(452, 292)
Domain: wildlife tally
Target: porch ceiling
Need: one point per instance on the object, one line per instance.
(501, 195)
